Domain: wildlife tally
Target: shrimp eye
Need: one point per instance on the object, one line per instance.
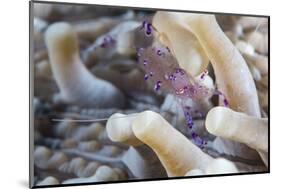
(148, 30)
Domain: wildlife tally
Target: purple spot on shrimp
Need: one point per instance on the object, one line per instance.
(145, 77)
(194, 135)
(225, 102)
(204, 74)
(181, 71)
(139, 51)
(160, 53)
(190, 124)
(187, 115)
(172, 77)
(145, 62)
(197, 140)
(157, 85)
(151, 74)
(107, 42)
(189, 120)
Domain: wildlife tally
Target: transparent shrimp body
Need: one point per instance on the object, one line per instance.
(162, 68)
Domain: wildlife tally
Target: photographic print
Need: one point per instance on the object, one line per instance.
(122, 94)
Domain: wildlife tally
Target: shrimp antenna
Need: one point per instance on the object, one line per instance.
(91, 120)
